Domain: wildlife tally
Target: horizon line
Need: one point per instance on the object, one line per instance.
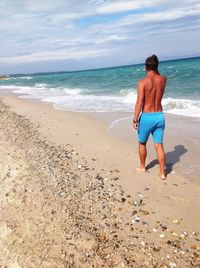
(100, 68)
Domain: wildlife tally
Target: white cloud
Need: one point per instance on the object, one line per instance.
(55, 55)
(166, 15)
(120, 6)
(35, 30)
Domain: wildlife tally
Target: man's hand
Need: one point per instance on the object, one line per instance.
(135, 125)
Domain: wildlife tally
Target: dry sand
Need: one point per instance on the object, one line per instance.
(70, 197)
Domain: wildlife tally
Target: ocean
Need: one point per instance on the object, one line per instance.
(111, 89)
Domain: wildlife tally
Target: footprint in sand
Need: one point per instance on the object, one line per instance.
(4, 231)
(14, 265)
(176, 198)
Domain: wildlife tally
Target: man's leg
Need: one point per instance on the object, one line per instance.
(161, 159)
(142, 155)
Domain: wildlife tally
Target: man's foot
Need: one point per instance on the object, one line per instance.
(141, 169)
(162, 176)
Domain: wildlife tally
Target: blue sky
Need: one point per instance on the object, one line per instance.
(58, 35)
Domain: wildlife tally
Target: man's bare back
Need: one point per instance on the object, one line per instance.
(151, 90)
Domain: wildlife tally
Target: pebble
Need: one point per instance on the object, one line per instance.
(185, 234)
(157, 249)
(182, 236)
(146, 189)
(144, 212)
(162, 235)
(174, 234)
(137, 219)
(140, 195)
(176, 221)
(172, 264)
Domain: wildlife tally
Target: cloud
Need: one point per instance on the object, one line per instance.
(54, 55)
(166, 15)
(120, 6)
(95, 30)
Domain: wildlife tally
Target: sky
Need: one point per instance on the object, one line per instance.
(56, 35)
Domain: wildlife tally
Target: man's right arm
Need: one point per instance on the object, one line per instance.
(139, 103)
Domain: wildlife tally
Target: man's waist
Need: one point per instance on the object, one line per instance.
(153, 113)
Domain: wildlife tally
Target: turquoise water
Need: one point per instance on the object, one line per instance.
(112, 89)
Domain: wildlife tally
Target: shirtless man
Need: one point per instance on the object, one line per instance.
(148, 117)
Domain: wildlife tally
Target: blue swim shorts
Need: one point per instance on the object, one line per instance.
(151, 123)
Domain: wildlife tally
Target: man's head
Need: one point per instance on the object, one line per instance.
(151, 63)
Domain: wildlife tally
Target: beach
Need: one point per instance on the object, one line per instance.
(92, 94)
(71, 197)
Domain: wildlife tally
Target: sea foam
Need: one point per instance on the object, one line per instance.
(77, 99)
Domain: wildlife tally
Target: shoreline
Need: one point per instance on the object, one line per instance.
(115, 121)
(119, 125)
(68, 192)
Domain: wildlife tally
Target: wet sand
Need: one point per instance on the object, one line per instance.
(181, 142)
(70, 196)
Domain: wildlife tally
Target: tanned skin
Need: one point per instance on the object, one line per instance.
(150, 93)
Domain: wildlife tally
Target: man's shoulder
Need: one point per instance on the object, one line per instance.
(162, 77)
(142, 81)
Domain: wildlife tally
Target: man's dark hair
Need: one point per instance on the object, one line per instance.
(151, 63)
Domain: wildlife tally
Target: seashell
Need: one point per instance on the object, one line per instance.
(176, 221)
(144, 212)
(172, 264)
(134, 212)
(174, 234)
(162, 235)
(164, 228)
(154, 230)
(140, 195)
(185, 234)
(157, 249)
(143, 243)
(145, 223)
(193, 246)
(137, 219)
(102, 237)
(182, 236)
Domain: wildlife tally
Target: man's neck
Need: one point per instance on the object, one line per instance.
(152, 72)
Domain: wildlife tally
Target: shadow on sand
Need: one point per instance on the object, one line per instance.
(172, 158)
